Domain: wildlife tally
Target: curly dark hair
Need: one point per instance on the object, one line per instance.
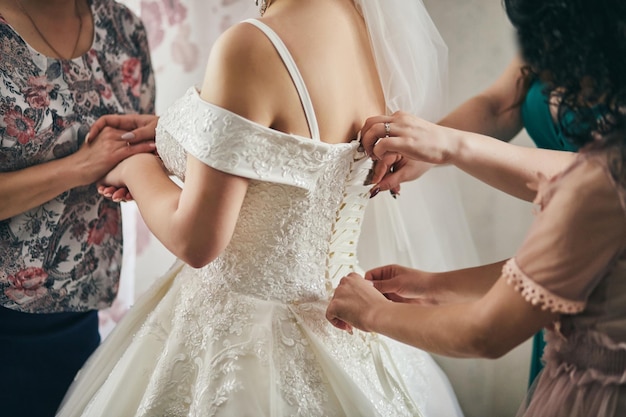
(578, 49)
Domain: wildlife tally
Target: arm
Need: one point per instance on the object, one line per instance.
(408, 285)
(507, 167)
(488, 327)
(496, 111)
(30, 187)
(516, 170)
(197, 222)
(578, 235)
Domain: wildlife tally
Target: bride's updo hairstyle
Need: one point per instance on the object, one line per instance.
(578, 49)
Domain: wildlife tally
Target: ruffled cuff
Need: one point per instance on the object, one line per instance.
(536, 294)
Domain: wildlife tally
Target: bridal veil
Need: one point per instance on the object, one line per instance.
(426, 226)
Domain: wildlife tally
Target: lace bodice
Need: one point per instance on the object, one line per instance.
(299, 223)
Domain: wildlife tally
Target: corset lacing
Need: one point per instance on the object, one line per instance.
(342, 260)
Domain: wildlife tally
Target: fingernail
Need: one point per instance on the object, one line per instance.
(394, 194)
(87, 138)
(128, 136)
(374, 192)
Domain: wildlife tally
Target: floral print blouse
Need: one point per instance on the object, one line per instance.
(65, 255)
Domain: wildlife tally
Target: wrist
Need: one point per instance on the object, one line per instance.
(138, 162)
(455, 145)
(440, 287)
(376, 316)
(77, 171)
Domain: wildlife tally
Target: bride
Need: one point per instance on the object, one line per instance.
(266, 224)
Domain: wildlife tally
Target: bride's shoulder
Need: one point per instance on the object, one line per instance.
(241, 43)
(239, 76)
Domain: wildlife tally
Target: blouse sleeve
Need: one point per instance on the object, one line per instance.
(137, 37)
(573, 241)
(148, 82)
(232, 144)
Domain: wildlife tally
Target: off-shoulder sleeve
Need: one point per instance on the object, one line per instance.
(574, 240)
(232, 144)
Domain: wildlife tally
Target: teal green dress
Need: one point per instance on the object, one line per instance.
(539, 124)
(546, 134)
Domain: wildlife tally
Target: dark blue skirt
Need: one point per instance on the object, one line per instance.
(40, 355)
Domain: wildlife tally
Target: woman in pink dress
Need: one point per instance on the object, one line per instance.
(569, 275)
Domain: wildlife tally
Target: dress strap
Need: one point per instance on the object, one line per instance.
(298, 81)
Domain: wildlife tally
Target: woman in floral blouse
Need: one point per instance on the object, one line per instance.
(63, 64)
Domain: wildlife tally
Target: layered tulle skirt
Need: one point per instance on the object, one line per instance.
(187, 349)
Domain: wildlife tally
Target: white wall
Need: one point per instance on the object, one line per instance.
(481, 44)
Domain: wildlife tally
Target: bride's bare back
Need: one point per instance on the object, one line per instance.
(330, 44)
(245, 75)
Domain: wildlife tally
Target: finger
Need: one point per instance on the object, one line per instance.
(109, 120)
(141, 147)
(390, 182)
(382, 272)
(119, 194)
(374, 120)
(342, 325)
(141, 133)
(390, 144)
(375, 274)
(336, 321)
(107, 191)
(125, 122)
(384, 167)
(387, 286)
(372, 130)
(353, 275)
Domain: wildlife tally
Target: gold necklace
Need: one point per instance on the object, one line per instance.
(41, 35)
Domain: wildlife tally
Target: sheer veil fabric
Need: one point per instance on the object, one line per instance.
(426, 227)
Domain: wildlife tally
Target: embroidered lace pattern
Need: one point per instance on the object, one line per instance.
(259, 308)
(229, 143)
(536, 294)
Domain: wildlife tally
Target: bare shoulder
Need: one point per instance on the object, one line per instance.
(238, 76)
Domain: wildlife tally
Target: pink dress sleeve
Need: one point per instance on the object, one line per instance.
(577, 235)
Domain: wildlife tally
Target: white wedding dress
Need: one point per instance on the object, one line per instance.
(246, 335)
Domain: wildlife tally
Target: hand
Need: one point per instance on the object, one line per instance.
(394, 169)
(138, 127)
(353, 303)
(115, 180)
(101, 153)
(405, 285)
(114, 193)
(409, 136)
